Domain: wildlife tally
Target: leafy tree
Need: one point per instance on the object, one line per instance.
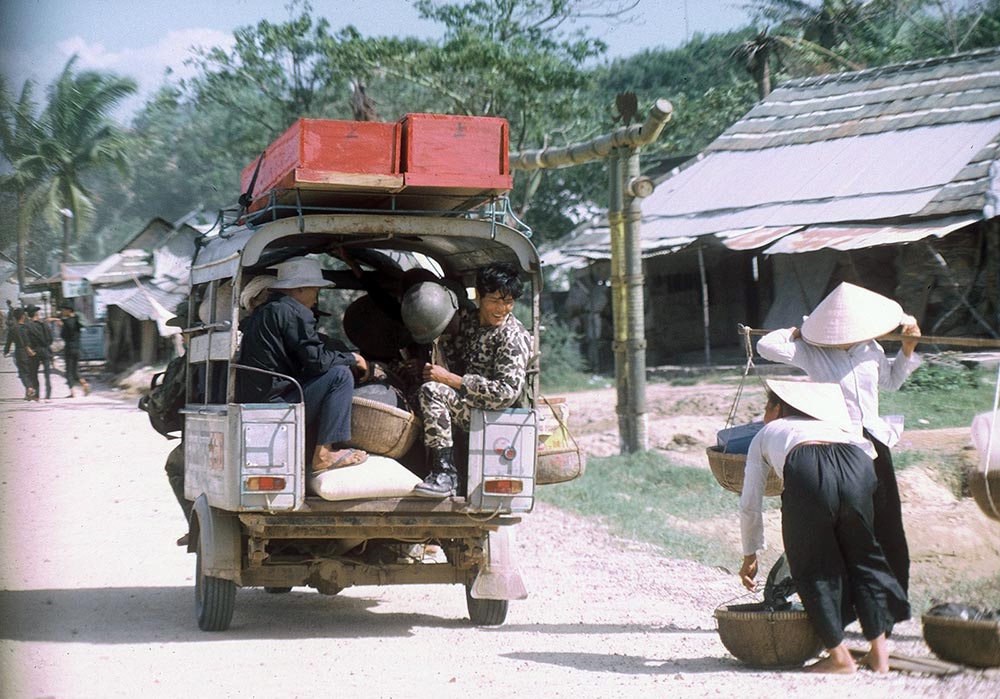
(19, 137)
(72, 137)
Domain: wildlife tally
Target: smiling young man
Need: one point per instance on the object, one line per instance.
(487, 356)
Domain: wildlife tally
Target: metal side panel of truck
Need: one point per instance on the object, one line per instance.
(255, 522)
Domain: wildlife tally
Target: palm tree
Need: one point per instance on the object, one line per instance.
(77, 137)
(19, 137)
(756, 54)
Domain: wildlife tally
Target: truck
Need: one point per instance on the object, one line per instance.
(257, 520)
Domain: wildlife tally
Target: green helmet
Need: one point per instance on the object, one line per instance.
(427, 308)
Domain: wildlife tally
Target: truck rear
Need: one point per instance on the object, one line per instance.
(257, 520)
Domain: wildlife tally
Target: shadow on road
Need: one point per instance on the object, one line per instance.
(166, 615)
(631, 664)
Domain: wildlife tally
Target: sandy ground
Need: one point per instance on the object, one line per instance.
(96, 601)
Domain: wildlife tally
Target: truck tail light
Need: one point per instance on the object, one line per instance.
(260, 483)
(503, 486)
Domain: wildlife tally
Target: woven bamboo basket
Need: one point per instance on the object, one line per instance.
(728, 470)
(985, 488)
(379, 428)
(975, 643)
(762, 638)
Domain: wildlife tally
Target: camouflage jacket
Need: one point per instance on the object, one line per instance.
(491, 361)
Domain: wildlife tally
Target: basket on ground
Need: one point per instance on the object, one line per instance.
(975, 643)
(379, 428)
(763, 638)
(985, 489)
(728, 470)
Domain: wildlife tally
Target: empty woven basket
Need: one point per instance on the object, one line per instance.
(379, 428)
(728, 470)
(762, 638)
(975, 643)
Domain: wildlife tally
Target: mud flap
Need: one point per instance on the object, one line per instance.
(499, 578)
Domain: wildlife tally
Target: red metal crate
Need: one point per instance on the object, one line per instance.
(455, 154)
(324, 154)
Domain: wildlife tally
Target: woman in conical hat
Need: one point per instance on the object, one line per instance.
(826, 519)
(837, 344)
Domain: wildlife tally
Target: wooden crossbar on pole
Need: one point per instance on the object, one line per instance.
(985, 342)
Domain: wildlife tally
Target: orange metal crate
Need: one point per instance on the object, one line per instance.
(456, 154)
(325, 154)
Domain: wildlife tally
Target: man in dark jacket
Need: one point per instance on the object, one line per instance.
(15, 339)
(70, 333)
(38, 347)
(281, 336)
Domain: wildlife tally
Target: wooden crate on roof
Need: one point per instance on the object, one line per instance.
(328, 155)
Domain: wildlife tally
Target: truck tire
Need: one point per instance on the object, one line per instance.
(485, 612)
(215, 599)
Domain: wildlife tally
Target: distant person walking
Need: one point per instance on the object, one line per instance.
(15, 340)
(38, 346)
(71, 327)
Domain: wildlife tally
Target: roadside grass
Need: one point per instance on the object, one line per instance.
(646, 497)
(948, 472)
(941, 397)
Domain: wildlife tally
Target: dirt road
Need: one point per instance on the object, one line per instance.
(96, 601)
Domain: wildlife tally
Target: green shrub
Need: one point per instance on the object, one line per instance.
(942, 372)
(561, 362)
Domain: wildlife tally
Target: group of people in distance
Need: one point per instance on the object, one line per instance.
(841, 516)
(481, 362)
(30, 338)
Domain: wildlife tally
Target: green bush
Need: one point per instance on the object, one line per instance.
(942, 372)
(561, 362)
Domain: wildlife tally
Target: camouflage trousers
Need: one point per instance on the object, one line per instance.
(442, 407)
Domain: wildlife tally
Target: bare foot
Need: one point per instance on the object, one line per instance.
(325, 458)
(834, 665)
(877, 659)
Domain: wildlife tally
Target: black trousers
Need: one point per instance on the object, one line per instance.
(839, 569)
(889, 515)
(32, 373)
(71, 355)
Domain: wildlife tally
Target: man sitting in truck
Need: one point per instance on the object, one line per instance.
(281, 336)
(487, 351)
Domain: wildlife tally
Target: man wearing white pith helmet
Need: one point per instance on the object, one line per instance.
(837, 344)
(281, 336)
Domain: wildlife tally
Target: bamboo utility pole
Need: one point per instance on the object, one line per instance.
(626, 188)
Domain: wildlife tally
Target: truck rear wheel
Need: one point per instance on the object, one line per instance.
(485, 612)
(215, 599)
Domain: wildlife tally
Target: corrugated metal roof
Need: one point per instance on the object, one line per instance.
(914, 141)
(848, 179)
(864, 236)
(143, 302)
(754, 238)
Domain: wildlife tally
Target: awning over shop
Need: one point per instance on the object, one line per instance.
(854, 237)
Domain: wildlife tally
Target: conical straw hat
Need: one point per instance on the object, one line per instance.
(851, 314)
(823, 401)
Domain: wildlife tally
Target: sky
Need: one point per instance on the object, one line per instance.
(143, 38)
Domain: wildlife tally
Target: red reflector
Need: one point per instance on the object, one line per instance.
(257, 483)
(503, 487)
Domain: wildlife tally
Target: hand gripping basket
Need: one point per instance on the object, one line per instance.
(762, 638)
(379, 428)
(975, 643)
(728, 470)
